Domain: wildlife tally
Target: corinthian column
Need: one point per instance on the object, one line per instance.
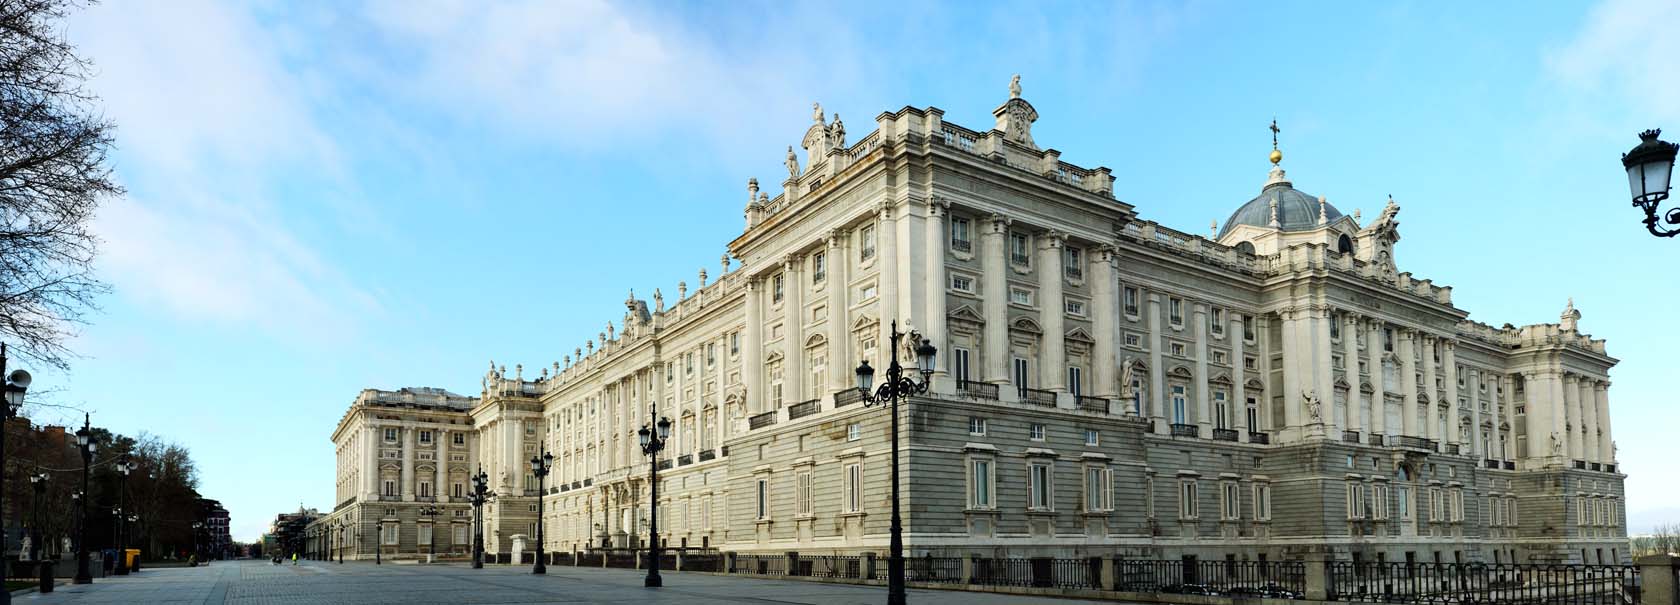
(1105, 320)
(839, 286)
(1589, 420)
(933, 327)
(793, 329)
(1053, 370)
(1408, 386)
(994, 302)
(1350, 369)
(1449, 365)
(752, 359)
(1572, 415)
(1606, 446)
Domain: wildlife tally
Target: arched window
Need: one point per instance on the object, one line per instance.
(1245, 248)
(1344, 245)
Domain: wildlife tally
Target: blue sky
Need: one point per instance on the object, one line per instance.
(326, 197)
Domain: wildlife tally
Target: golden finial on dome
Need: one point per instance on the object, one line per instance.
(1277, 156)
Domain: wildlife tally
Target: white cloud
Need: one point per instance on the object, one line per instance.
(1626, 51)
(210, 124)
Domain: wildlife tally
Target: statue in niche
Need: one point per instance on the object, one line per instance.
(1557, 445)
(1126, 382)
(1314, 407)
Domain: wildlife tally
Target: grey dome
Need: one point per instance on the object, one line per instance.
(1296, 211)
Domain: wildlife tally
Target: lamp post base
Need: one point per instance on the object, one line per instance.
(653, 581)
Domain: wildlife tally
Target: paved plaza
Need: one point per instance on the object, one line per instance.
(311, 582)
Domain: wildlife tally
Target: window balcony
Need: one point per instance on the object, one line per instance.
(588, 482)
(1374, 439)
(1608, 468)
(1580, 465)
(1493, 464)
(1452, 448)
(707, 455)
(978, 390)
(761, 420)
(1019, 259)
(1510, 465)
(962, 245)
(1093, 404)
(1414, 443)
(1350, 437)
(685, 460)
(665, 464)
(1039, 397)
(1074, 272)
(804, 408)
(1225, 435)
(1595, 466)
(1263, 438)
(1186, 430)
(847, 397)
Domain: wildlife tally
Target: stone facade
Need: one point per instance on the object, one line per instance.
(1105, 385)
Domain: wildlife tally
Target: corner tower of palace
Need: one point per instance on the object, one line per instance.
(1104, 385)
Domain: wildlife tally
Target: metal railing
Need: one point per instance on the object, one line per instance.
(1580, 465)
(1491, 463)
(1039, 397)
(706, 562)
(832, 566)
(761, 420)
(1452, 448)
(1264, 438)
(978, 390)
(1350, 437)
(1019, 259)
(804, 408)
(1511, 465)
(1483, 583)
(1410, 442)
(1224, 435)
(962, 245)
(1374, 439)
(685, 460)
(1074, 272)
(1092, 404)
(763, 565)
(707, 455)
(621, 560)
(1186, 430)
(1270, 579)
(938, 570)
(847, 397)
(665, 464)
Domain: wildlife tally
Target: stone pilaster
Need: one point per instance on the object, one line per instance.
(1431, 410)
(1053, 361)
(793, 326)
(1408, 386)
(1293, 371)
(1572, 415)
(1157, 400)
(994, 303)
(1237, 408)
(887, 266)
(1606, 445)
(1449, 366)
(840, 361)
(1374, 365)
(410, 440)
(933, 327)
(1350, 369)
(752, 353)
(1589, 421)
(1105, 320)
(1203, 395)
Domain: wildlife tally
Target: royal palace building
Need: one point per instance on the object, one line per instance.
(1105, 386)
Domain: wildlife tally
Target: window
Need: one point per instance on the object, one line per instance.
(959, 365)
(1178, 404)
(1132, 340)
(1074, 382)
(854, 487)
(1218, 319)
(1221, 410)
(1073, 307)
(1020, 249)
(1021, 373)
(866, 242)
(1035, 432)
(854, 431)
(734, 343)
(459, 438)
(1175, 311)
(1099, 489)
(802, 493)
(1021, 297)
(1075, 268)
(1230, 501)
(962, 283)
(1249, 363)
(1220, 358)
(867, 292)
(960, 238)
(819, 267)
(390, 534)
(390, 487)
(1336, 326)
(1131, 295)
(1355, 500)
(1248, 328)
(976, 425)
(1262, 502)
(711, 354)
(391, 434)
(425, 436)
(1404, 500)
(763, 499)
(1177, 349)
(1187, 499)
(777, 287)
(1379, 501)
(1039, 475)
(1437, 506)
(1093, 437)
(980, 483)
(530, 428)
(457, 490)
(460, 534)
(1388, 339)
(425, 489)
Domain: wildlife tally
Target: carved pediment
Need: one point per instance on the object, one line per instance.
(1365, 387)
(966, 313)
(1341, 383)
(1080, 335)
(1026, 324)
(816, 340)
(1180, 372)
(864, 322)
(1254, 384)
(1223, 379)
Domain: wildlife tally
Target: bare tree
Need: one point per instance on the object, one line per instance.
(53, 176)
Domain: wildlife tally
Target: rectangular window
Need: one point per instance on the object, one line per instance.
(1021, 373)
(976, 425)
(776, 288)
(1099, 489)
(1230, 501)
(854, 487)
(425, 489)
(1221, 410)
(1177, 349)
(1379, 501)
(1175, 311)
(1131, 295)
(1020, 249)
(1248, 328)
(962, 283)
(980, 483)
(1093, 437)
(457, 490)
(763, 499)
(1253, 415)
(1075, 383)
(1178, 405)
(854, 431)
(425, 436)
(390, 487)
(959, 365)
(1035, 432)
(425, 536)
(1404, 502)
(866, 242)
(1132, 340)
(1219, 357)
(390, 534)
(734, 343)
(867, 292)
(1075, 267)
(1073, 307)
(1262, 502)
(1217, 317)
(802, 492)
(459, 438)
(1021, 297)
(1039, 475)
(819, 267)
(1355, 500)
(1187, 499)
(391, 435)
(961, 240)
(461, 536)
(1336, 326)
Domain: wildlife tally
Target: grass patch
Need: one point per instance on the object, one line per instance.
(12, 585)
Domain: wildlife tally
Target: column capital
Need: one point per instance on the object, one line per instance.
(938, 205)
(1351, 318)
(836, 238)
(1571, 377)
(1104, 254)
(1601, 384)
(998, 223)
(790, 262)
(1052, 239)
(884, 210)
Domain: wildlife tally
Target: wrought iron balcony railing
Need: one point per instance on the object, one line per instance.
(1186, 430)
(1224, 435)
(1093, 404)
(1260, 438)
(1350, 437)
(978, 390)
(1039, 397)
(761, 420)
(804, 408)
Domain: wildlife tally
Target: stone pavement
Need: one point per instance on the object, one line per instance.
(314, 582)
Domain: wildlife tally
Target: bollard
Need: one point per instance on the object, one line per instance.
(1657, 573)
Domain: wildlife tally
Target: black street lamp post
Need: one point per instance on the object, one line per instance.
(88, 445)
(379, 543)
(123, 467)
(540, 465)
(133, 518)
(15, 384)
(1649, 166)
(37, 548)
(341, 528)
(653, 436)
(897, 386)
(430, 512)
(477, 497)
(197, 554)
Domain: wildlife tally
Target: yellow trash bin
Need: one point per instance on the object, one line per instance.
(133, 556)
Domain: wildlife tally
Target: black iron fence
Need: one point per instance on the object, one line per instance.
(832, 566)
(1270, 579)
(937, 570)
(1535, 584)
(706, 562)
(622, 560)
(763, 565)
